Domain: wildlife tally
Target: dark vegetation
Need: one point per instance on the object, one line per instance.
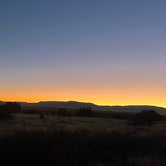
(10, 107)
(7, 108)
(146, 117)
(81, 148)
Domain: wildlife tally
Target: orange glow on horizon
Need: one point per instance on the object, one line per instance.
(87, 93)
(99, 100)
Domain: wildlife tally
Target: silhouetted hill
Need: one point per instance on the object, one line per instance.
(69, 104)
(43, 105)
(57, 104)
(137, 109)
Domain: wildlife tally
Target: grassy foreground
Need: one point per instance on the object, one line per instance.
(81, 141)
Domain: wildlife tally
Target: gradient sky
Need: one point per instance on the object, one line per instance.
(103, 51)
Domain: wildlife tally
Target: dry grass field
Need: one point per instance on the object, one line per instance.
(92, 141)
(90, 125)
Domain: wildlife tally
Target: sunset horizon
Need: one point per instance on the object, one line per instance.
(108, 53)
(83, 101)
(83, 82)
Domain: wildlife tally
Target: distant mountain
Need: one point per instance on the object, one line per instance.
(43, 105)
(57, 104)
(51, 105)
(137, 108)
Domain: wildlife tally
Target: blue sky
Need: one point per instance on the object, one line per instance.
(86, 45)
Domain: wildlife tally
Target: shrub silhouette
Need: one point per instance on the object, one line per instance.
(7, 108)
(145, 117)
(11, 107)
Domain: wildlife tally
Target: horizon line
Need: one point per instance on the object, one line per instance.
(104, 105)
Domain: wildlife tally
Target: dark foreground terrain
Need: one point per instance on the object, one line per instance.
(81, 137)
(65, 148)
(81, 141)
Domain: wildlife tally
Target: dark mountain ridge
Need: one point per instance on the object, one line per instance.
(44, 105)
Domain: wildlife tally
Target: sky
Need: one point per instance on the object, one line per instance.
(109, 52)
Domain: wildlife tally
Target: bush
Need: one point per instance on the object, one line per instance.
(8, 108)
(146, 117)
(12, 107)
